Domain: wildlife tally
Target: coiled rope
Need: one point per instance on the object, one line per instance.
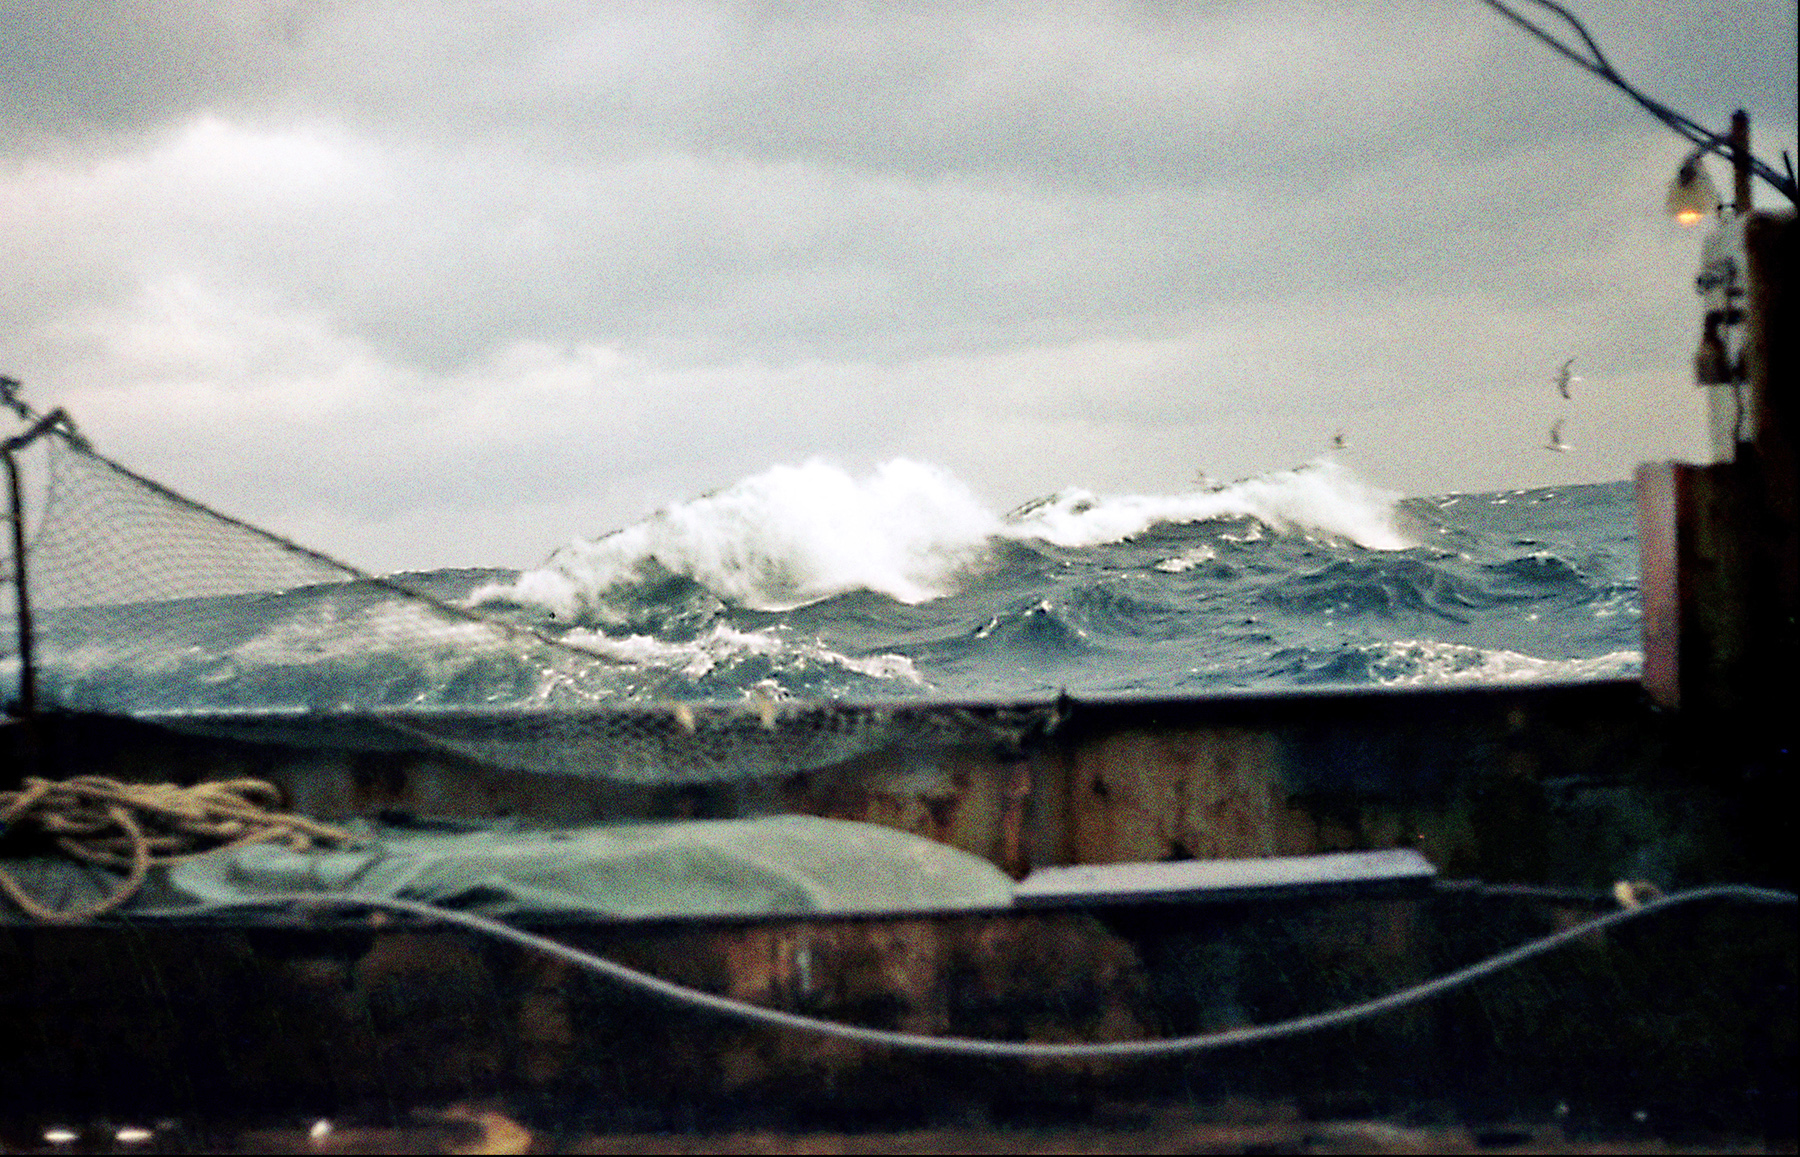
(138, 826)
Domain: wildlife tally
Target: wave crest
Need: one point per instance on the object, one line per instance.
(795, 535)
(1323, 497)
(781, 539)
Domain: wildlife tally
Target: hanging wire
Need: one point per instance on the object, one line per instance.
(1589, 58)
(684, 996)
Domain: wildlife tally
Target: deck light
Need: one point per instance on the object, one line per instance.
(1692, 196)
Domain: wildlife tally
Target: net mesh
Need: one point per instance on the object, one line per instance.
(108, 537)
(148, 604)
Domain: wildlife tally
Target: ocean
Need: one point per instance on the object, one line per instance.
(808, 582)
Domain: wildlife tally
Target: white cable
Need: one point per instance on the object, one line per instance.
(994, 1049)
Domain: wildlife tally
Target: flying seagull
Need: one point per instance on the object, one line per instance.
(1556, 442)
(1339, 442)
(1566, 378)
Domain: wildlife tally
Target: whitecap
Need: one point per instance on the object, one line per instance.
(781, 539)
(1324, 497)
(722, 645)
(1187, 560)
(1427, 662)
(794, 535)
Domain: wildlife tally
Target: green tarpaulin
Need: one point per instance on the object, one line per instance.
(769, 866)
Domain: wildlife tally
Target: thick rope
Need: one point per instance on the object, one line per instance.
(137, 826)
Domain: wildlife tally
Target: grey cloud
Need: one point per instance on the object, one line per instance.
(1094, 94)
(373, 246)
(1090, 93)
(89, 69)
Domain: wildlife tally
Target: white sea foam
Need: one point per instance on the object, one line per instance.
(1415, 662)
(404, 627)
(395, 636)
(723, 645)
(793, 535)
(1323, 496)
(1187, 560)
(789, 536)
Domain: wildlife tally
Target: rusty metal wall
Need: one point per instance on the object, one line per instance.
(1689, 1018)
(1578, 784)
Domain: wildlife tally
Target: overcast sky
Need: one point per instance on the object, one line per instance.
(435, 283)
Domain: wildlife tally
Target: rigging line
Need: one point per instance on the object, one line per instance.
(681, 994)
(1600, 66)
(1683, 126)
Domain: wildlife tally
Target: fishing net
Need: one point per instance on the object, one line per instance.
(151, 605)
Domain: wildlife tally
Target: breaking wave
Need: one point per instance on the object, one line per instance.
(809, 582)
(1321, 498)
(795, 535)
(789, 536)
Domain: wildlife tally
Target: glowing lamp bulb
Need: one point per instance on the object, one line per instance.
(1692, 197)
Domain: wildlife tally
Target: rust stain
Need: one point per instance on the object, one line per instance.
(1175, 795)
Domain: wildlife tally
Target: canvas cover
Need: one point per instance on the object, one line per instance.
(775, 865)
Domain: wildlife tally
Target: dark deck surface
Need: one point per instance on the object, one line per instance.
(1266, 1129)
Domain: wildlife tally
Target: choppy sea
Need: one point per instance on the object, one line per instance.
(810, 582)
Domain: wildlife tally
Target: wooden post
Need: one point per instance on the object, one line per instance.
(1770, 240)
(1659, 579)
(1720, 565)
(1740, 161)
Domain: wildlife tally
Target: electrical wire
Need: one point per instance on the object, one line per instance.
(1594, 61)
(1129, 1050)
